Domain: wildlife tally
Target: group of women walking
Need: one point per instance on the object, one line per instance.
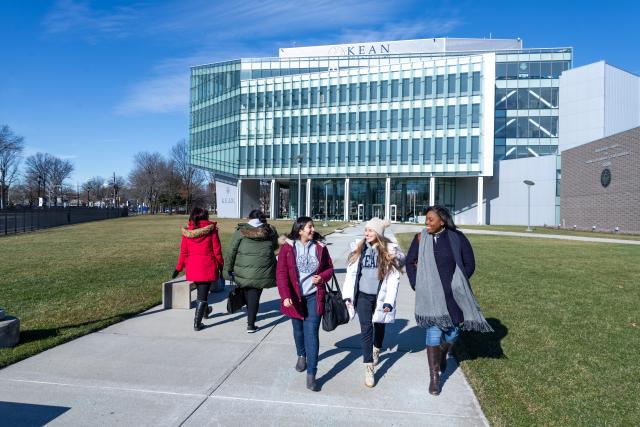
(439, 264)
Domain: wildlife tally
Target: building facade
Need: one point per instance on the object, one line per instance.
(378, 129)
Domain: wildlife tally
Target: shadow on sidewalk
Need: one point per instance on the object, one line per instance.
(266, 311)
(475, 345)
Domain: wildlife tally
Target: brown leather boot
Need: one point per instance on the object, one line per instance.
(444, 348)
(433, 357)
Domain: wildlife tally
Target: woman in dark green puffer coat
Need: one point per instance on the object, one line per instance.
(251, 261)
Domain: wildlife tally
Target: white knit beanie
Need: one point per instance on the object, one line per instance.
(378, 225)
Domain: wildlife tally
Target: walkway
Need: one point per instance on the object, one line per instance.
(155, 370)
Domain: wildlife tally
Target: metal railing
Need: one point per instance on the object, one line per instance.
(23, 220)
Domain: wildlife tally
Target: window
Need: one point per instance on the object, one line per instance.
(314, 96)
(332, 124)
(324, 95)
(406, 88)
(415, 151)
(314, 125)
(295, 98)
(352, 153)
(384, 90)
(286, 159)
(259, 156)
(362, 153)
(393, 151)
(464, 83)
(462, 153)
(438, 151)
(333, 95)
(313, 154)
(404, 152)
(439, 85)
(427, 118)
(260, 101)
(373, 91)
(395, 88)
(382, 152)
(277, 128)
(475, 115)
(341, 154)
(305, 97)
(243, 157)
(363, 92)
(251, 156)
(383, 120)
(343, 94)
(332, 154)
(450, 150)
(405, 119)
(426, 152)
(475, 84)
(353, 93)
(451, 84)
(416, 119)
(323, 124)
(352, 122)
(267, 156)
(428, 85)
(304, 125)
(343, 123)
(416, 87)
(322, 154)
(439, 117)
(451, 116)
(373, 120)
(295, 126)
(463, 115)
(276, 156)
(475, 148)
(286, 128)
(286, 98)
(372, 152)
(362, 121)
(394, 120)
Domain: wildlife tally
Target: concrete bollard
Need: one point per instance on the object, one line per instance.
(9, 330)
(176, 293)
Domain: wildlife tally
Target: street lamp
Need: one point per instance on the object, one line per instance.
(298, 158)
(326, 212)
(529, 184)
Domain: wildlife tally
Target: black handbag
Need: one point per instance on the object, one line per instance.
(335, 309)
(235, 300)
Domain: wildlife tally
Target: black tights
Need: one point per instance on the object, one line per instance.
(252, 295)
(203, 290)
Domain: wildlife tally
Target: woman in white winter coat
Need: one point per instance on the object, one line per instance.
(371, 286)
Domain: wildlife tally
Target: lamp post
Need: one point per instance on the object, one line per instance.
(298, 158)
(529, 184)
(326, 194)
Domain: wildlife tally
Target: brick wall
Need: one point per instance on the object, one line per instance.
(584, 202)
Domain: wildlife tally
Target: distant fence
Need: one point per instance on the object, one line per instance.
(23, 220)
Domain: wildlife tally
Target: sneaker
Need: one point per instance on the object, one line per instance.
(376, 356)
(301, 364)
(251, 329)
(369, 379)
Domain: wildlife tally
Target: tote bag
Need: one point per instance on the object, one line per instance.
(335, 309)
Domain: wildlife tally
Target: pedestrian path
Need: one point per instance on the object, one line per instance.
(155, 370)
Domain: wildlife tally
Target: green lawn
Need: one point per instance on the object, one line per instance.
(550, 230)
(567, 317)
(68, 281)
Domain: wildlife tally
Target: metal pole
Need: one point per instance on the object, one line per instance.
(528, 208)
(326, 191)
(298, 208)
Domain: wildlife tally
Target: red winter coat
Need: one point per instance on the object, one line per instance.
(200, 252)
(287, 279)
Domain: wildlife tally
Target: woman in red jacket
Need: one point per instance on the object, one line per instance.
(304, 267)
(201, 253)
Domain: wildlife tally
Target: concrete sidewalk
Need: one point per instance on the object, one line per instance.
(155, 370)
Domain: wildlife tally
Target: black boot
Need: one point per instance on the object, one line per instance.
(208, 312)
(301, 364)
(200, 310)
(445, 347)
(433, 357)
(311, 382)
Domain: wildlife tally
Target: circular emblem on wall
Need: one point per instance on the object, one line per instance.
(605, 177)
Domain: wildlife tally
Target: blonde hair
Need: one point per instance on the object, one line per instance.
(386, 260)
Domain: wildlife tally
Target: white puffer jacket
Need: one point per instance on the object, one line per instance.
(388, 289)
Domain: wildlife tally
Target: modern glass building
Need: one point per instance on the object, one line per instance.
(376, 129)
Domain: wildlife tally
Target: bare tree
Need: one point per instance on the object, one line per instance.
(191, 177)
(60, 172)
(50, 173)
(11, 148)
(94, 189)
(146, 178)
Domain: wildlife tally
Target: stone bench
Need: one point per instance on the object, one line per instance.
(176, 293)
(9, 330)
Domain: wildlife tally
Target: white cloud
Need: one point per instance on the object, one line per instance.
(163, 94)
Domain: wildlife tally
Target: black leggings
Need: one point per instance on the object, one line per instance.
(252, 295)
(371, 334)
(203, 290)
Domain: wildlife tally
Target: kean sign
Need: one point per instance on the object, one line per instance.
(227, 200)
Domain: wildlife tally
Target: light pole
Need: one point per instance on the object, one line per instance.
(298, 158)
(529, 184)
(326, 212)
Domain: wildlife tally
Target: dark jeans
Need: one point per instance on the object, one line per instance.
(371, 334)
(305, 334)
(252, 295)
(203, 290)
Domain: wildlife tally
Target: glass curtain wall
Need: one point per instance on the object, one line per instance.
(366, 199)
(411, 198)
(329, 193)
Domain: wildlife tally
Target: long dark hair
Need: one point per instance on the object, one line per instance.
(257, 214)
(300, 223)
(444, 215)
(198, 214)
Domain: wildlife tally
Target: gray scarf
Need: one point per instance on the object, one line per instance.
(431, 306)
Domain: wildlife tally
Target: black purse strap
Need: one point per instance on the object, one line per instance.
(334, 282)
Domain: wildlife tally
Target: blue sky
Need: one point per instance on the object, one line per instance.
(96, 82)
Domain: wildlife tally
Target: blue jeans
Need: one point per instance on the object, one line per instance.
(434, 334)
(305, 334)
